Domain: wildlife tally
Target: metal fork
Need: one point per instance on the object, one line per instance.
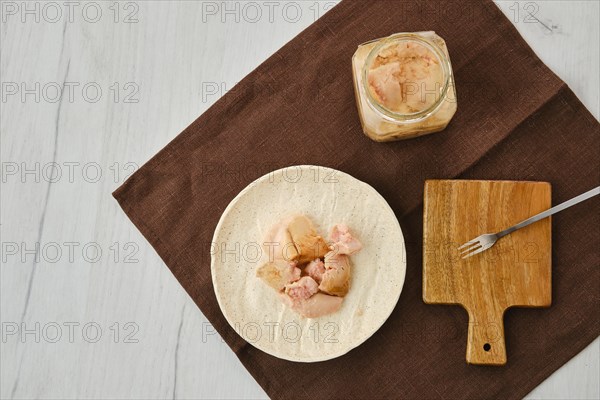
(485, 241)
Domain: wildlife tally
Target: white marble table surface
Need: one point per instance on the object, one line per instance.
(94, 313)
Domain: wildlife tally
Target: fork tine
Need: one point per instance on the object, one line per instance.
(469, 243)
(479, 250)
(470, 249)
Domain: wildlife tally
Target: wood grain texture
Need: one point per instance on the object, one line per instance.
(515, 272)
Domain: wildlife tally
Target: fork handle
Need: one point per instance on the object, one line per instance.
(553, 210)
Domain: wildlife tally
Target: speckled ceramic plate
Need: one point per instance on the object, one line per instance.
(328, 197)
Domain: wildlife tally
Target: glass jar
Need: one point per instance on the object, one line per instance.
(404, 86)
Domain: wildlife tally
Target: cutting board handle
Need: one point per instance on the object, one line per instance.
(486, 344)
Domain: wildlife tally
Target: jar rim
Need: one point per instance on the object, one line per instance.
(402, 117)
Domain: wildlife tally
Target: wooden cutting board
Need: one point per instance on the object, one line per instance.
(515, 272)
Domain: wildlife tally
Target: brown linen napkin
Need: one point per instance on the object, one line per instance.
(516, 120)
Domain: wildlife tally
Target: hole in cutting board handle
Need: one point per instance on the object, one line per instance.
(487, 347)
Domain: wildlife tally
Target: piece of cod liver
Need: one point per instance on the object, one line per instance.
(309, 244)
